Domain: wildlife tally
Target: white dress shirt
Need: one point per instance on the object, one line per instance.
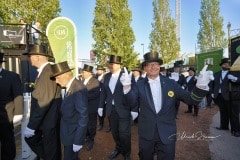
(156, 91)
(113, 82)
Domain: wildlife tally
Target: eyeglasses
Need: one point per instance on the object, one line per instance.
(152, 65)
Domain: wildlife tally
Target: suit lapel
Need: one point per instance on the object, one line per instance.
(118, 84)
(107, 80)
(164, 94)
(149, 95)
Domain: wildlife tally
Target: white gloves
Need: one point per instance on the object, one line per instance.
(29, 132)
(204, 78)
(134, 115)
(232, 78)
(212, 95)
(126, 78)
(76, 148)
(174, 76)
(100, 112)
(17, 118)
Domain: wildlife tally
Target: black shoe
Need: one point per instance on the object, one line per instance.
(90, 145)
(108, 129)
(195, 115)
(221, 128)
(113, 154)
(236, 134)
(100, 126)
(127, 158)
(188, 112)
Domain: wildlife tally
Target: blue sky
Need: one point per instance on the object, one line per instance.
(81, 12)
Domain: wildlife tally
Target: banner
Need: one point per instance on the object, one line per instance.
(62, 36)
(10, 35)
(212, 58)
(235, 52)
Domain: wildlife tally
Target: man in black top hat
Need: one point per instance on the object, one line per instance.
(11, 110)
(189, 84)
(100, 76)
(42, 131)
(118, 107)
(93, 87)
(221, 94)
(163, 71)
(74, 110)
(156, 95)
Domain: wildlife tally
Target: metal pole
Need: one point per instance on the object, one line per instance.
(229, 41)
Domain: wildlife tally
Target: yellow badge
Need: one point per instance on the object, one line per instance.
(170, 93)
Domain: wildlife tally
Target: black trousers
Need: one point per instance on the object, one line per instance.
(46, 144)
(69, 154)
(8, 146)
(234, 118)
(92, 126)
(121, 132)
(225, 111)
(196, 108)
(147, 149)
(209, 99)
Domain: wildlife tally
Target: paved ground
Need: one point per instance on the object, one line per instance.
(222, 145)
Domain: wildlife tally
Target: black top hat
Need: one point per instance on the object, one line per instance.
(115, 59)
(152, 57)
(39, 50)
(1, 58)
(224, 60)
(191, 69)
(99, 67)
(87, 68)
(162, 69)
(176, 64)
(60, 68)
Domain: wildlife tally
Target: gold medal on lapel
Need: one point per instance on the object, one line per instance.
(170, 93)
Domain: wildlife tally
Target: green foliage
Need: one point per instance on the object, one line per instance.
(112, 32)
(163, 37)
(31, 11)
(211, 34)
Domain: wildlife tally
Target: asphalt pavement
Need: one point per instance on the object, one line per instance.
(222, 145)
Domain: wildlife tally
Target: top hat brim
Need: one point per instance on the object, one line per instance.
(160, 61)
(41, 54)
(191, 70)
(222, 63)
(114, 62)
(62, 72)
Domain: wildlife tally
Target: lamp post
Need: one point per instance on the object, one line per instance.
(143, 48)
(229, 41)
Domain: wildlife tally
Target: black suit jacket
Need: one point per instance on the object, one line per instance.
(11, 96)
(123, 103)
(74, 111)
(216, 85)
(165, 120)
(93, 87)
(45, 102)
(191, 83)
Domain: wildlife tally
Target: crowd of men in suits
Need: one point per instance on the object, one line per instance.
(149, 96)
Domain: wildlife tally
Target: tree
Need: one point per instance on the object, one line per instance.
(31, 11)
(112, 33)
(211, 34)
(163, 36)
